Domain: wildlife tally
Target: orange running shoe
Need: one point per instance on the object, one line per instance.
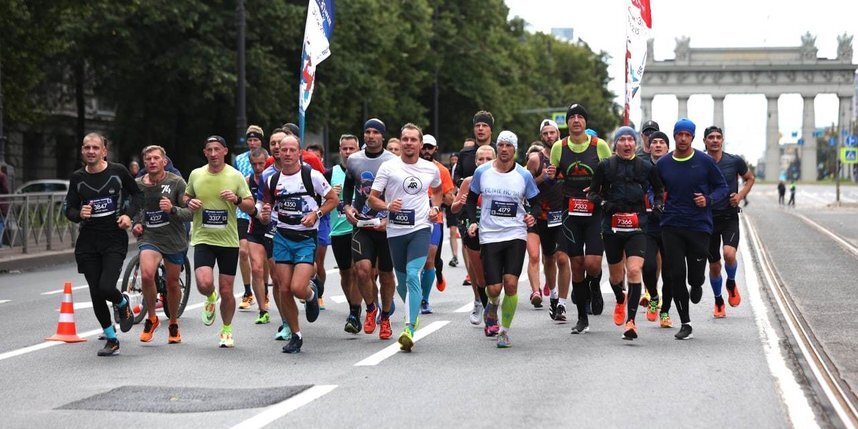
(631, 331)
(441, 285)
(149, 329)
(665, 321)
(719, 312)
(733, 296)
(620, 312)
(652, 311)
(384, 332)
(369, 322)
(175, 337)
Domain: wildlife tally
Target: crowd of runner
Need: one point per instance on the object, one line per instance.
(652, 212)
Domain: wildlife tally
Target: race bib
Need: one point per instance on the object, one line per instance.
(215, 218)
(103, 206)
(155, 218)
(402, 217)
(625, 222)
(580, 207)
(555, 218)
(503, 209)
(290, 207)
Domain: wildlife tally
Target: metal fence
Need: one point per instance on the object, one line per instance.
(35, 222)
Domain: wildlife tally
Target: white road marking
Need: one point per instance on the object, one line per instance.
(280, 409)
(465, 308)
(843, 243)
(55, 292)
(797, 406)
(3, 301)
(339, 299)
(393, 349)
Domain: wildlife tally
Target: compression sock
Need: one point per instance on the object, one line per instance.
(247, 290)
(483, 297)
(582, 295)
(354, 310)
(510, 302)
(110, 332)
(227, 329)
(716, 285)
(593, 281)
(414, 291)
(426, 280)
(618, 292)
(634, 298)
(731, 271)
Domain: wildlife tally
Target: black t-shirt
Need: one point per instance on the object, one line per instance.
(731, 167)
(468, 161)
(107, 192)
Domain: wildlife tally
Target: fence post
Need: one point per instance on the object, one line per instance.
(49, 222)
(25, 230)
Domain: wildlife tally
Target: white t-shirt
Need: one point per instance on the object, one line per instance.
(411, 184)
(502, 206)
(292, 201)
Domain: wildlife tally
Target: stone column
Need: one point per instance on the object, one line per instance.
(808, 151)
(773, 149)
(682, 109)
(844, 118)
(646, 110)
(718, 114)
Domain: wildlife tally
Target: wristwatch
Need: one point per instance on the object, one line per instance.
(319, 214)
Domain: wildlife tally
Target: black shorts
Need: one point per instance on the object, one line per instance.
(499, 259)
(724, 228)
(472, 243)
(451, 218)
(581, 235)
(267, 242)
(205, 255)
(243, 225)
(342, 245)
(547, 237)
(622, 244)
(371, 244)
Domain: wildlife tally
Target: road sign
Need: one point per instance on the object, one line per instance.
(851, 141)
(849, 155)
(560, 118)
(832, 141)
(800, 142)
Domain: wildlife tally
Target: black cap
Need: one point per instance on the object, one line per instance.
(216, 139)
(712, 129)
(650, 126)
(291, 128)
(576, 109)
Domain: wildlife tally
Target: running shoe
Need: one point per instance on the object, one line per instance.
(226, 341)
(149, 328)
(503, 341)
(294, 345)
(597, 303)
(370, 321)
(695, 294)
(425, 308)
(284, 333)
(477, 313)
(492, 328)
(631, 331)
(581, 327)
(111, 347)
(552, 308)
(467, 281)
(454, 262)
(719, 312)
(384, 330)
(684, 332)
(652, 311)
(311, 307)
(175, 337)
(263, 319)
(246, 302)
(126, 317)
(406, 339)
(321, 303)
(208, 314)
(733, 296)
(645, 299)
(620, 312)
(546, 291)
(665, 321)
(536, 299)
(441, 285)
(352, 324)
(560, 313)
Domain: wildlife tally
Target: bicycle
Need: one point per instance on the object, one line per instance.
(133, 285)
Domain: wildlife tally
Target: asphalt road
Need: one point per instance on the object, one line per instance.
(734, 373)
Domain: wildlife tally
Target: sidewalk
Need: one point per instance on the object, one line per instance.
(13, 258)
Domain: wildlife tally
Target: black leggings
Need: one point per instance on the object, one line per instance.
(654, 247)
(681, 247)
(99, 257)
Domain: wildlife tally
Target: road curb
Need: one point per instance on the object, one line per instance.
(31, 261)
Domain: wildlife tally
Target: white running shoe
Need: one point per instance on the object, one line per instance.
(477, 313)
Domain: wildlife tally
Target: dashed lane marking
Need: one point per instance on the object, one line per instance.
(280, 409)
(393, 349)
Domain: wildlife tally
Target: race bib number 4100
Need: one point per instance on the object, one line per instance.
(402, 217)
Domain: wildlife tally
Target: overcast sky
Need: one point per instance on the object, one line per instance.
(725, 23)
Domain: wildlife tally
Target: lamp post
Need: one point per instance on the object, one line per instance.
(241, 99)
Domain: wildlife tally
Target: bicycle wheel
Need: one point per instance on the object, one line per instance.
(184, 288)
(132, 284)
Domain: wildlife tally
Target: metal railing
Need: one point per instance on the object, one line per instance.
(35, 222)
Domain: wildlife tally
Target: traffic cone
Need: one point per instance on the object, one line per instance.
(66, 330)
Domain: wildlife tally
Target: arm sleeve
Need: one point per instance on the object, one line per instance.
(471, 205)
(595, 194)
(535, 207)
(348, 189)
(72, 202)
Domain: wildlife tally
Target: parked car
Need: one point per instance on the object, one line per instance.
(43, 185)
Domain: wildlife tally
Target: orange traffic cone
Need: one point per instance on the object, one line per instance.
(66, 330)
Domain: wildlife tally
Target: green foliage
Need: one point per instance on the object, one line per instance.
(169, 67)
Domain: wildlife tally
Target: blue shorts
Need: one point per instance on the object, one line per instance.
(437, 234)
(325, 230)
(173, 258)
(294, 252)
